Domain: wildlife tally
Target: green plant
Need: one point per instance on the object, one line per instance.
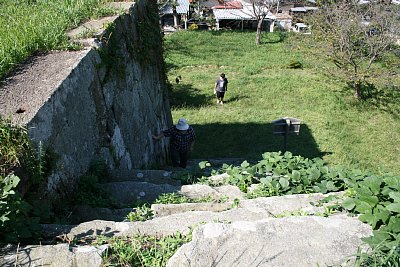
(142, 213)
(295, 65)
(377, 201)
(16, 224)
(148, 251)
(193, 27)
(175, 198)
(236, 203)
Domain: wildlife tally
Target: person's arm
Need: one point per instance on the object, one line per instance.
(158, 136)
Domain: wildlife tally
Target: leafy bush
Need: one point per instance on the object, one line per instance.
(279, 174)
(16, 224)
(377, 201)
(193, 27)
(17, 155)
(375, 198)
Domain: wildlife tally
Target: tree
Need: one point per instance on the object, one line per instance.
(261, 8)
(357, 36)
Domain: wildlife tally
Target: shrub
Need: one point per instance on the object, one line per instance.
(193, 27)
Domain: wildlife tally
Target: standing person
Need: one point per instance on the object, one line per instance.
(182, 138)
(221, 86)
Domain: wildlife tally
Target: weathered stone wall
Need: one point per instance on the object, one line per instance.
(112, 101)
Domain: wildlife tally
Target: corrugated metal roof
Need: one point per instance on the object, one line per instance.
(181, 8)
(298, 9)
(246, 13)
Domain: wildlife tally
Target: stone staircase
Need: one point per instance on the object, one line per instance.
(233, 231)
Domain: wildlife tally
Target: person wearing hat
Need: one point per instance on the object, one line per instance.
(182, 138)
(220, 87)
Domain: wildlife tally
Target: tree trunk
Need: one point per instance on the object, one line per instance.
(258, 33)
(175, 14)
(357, 89)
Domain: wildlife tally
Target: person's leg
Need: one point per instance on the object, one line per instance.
(219, 97)
(184, 156)
(174, 157)
(222, 97)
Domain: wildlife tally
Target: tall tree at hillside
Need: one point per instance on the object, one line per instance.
(261, 8)
(358, 36)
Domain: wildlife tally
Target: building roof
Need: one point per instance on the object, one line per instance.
(229, 5)
(245, 13)
(181, 8)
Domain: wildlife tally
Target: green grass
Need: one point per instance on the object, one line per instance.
(263, 88)
(32, 26)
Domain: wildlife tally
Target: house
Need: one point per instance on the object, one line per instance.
(237, 14)
(172, 17)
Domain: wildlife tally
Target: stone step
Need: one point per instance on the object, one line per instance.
(240, 239)
(85, 213)
(149, 176)
(130, 193)
(262, 231)
(246, 210)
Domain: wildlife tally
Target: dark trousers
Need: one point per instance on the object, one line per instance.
(179, 159)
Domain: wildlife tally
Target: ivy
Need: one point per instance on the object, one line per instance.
(375, 199)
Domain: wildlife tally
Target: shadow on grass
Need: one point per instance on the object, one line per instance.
(188, 96)
(385, 99)
(273, 38)
(249, 141)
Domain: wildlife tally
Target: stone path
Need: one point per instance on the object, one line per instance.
(233, 232)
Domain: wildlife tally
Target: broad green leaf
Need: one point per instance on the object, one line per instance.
(296, 175)
(381, 213)
(392, 181)
(266, 180)
(368, 218)
(363, 190)
(348, 204)
(374, 184)
(315, 174)
(204, 164)
(331, 186)
(316, 189)
(395, 196)
(394, 225)
(394, 207)
(284, 182)
(371, 200)
(362, 207)
(377, 239)
(245, 164)
(305, 180)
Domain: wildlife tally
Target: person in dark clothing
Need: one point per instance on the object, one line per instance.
(221, 86)
(182, 138)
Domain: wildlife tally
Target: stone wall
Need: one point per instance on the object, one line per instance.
(109, 104)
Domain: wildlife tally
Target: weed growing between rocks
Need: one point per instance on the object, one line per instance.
(148, 251)
(19, 221)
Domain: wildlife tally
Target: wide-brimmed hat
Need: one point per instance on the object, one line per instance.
(182, 124)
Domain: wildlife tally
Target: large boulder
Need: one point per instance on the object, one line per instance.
(290, 241)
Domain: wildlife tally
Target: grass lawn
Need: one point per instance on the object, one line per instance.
(262, 88)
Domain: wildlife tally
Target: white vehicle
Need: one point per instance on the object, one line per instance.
(301, 28)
